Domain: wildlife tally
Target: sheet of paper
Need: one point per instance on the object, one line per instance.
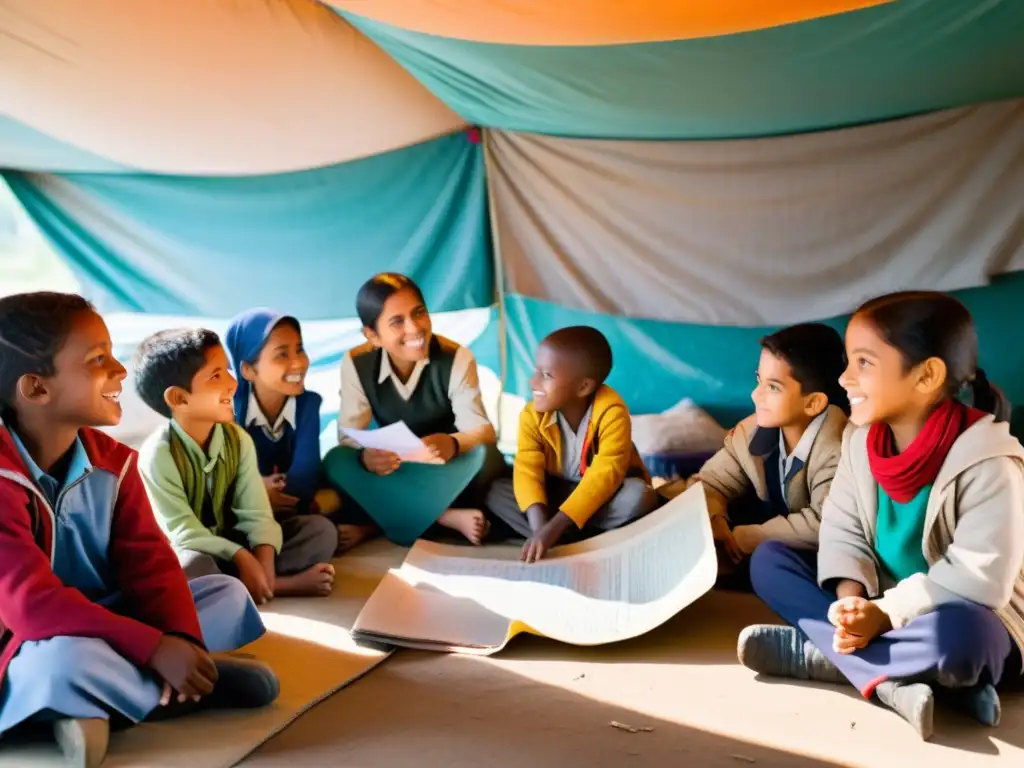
(618, 585)
(396, 438)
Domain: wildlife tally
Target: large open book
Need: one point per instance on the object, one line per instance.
(612, 587)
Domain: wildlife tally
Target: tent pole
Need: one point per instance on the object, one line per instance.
(499, 275)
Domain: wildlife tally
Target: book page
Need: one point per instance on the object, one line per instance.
(614, 586)
(435, 620)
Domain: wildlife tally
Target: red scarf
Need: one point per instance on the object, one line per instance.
(903, 475)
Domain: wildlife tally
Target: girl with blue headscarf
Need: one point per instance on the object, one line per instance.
(273, 405)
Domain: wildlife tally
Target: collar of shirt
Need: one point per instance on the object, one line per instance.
(581, 430)
(254, 415)
(78, 467)
(803, 447)
(208, 460)
(405, 389)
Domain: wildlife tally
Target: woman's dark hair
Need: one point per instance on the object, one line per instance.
(33, 329)
(924, 324)
(377, 290)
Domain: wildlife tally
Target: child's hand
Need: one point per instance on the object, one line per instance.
(184, 667)
(722, 534)
(275, 482)
(537, 546)
(441, 447)
(282, 503)
(380, 462)
(747, 538)
(846, 642)
(858, 621)
(537, 516)
(254, 576)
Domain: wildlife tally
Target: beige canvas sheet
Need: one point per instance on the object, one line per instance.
(207, 87)
(761, 231)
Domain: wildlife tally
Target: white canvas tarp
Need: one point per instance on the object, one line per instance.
(762, 231)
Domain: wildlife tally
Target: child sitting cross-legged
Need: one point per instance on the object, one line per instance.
(282, 417)
(770, 479)
(576, 471)
(204, 481)
(97, 621)
(918, 582)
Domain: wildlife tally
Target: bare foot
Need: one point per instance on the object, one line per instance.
(471, 523)
(313, 582)
(350, 536)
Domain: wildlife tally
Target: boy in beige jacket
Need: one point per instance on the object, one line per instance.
(769, 480)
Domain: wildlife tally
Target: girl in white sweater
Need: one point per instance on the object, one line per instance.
(918, 579)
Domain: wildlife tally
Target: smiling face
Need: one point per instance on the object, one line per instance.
(880, 386)
(85, 389)
(556, 382)
(403, 329)
(778, 397)
(212, 390)
(282, 365)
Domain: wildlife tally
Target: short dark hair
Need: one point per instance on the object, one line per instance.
(816, 355)
(170, 359)
(591, 349)
(924, 324)
(33, 329)
(376, 291)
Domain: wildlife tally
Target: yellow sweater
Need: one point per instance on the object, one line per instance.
(610, 457)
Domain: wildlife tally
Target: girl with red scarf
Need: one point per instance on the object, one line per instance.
(918, 580)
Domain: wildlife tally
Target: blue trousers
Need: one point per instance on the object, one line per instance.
(957, 645)
(84, 677)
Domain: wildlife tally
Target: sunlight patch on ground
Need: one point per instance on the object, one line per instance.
(320, 632)
(830, 723)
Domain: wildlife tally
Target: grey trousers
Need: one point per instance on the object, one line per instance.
(307, 540)
(633, 500)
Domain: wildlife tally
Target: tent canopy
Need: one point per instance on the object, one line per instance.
(684, 176)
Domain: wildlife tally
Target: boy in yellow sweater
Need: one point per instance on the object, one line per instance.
(577, 472)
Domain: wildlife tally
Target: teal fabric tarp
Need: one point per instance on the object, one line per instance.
(302, 242)
(657, 363)
(875, 64)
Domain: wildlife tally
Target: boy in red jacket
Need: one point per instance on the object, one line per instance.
(97, 620)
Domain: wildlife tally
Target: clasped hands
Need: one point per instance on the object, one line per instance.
(186, 670)
(856, 619)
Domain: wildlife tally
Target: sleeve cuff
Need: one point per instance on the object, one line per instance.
(225, 550)
(846, 567)
(578, 515)
(896, 617)
(142, 648)
(748, 537)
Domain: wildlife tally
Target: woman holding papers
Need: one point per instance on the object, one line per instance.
(439, 454)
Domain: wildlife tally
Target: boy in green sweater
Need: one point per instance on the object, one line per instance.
(203, 480)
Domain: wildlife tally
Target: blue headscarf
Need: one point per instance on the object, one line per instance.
(246, 335)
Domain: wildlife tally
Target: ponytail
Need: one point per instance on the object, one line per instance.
(985, 396)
